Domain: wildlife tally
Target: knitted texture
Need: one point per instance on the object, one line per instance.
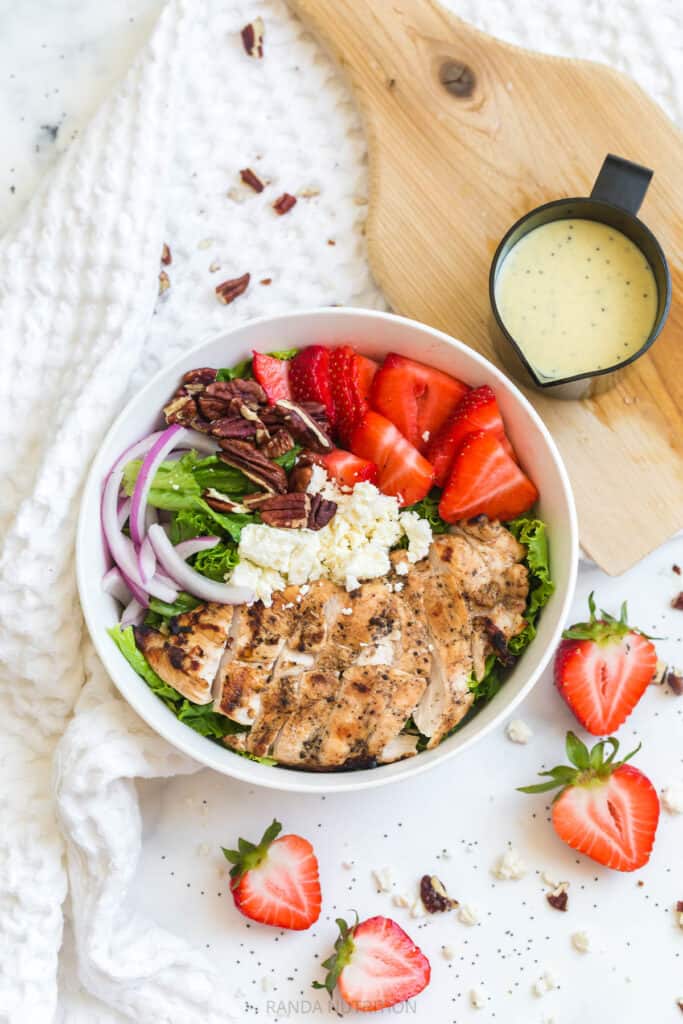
(81, 327)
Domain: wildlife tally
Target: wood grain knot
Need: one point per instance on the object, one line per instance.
(458, 78)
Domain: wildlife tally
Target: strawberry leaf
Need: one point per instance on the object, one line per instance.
(577, 752)
(248, 856)
(588, 767)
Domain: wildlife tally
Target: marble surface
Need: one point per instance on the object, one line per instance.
(57, 59)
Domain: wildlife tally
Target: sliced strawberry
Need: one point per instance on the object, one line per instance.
(607, 809)
(402, 470)
(484, 480)
(476, 410)
(375, 965)
(416, 398)
(273, 376)
(602, 669)
(348, 469)
(309, 377)
(277, 881)
(367, 368)
(348, 377)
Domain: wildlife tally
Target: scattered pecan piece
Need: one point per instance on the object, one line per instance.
(228, 291)
(266, 280)
(164, 282)
(676, 568)
(202, 375)
(559, 897)
(679, 906)
(300, 478)
(679, 1004)
(243, 456)
(252, 38)
(166, 257)
(252, 180)
(677, 602)
(321, 512)
(281, 442)
(286, 511)
(252, 501)
(675, 683)
(284, 204)
(181, 409)
(212, 408)
(246, 390)
(434, 896)
(221, 502)
(233, 428)
(331, 241)
(302, 426)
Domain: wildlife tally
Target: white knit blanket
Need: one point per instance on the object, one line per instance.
(80, 328)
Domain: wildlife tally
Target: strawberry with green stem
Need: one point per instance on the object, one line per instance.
(606, 809)
(602, 669)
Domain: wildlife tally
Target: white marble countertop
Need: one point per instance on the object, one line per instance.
(57, 59)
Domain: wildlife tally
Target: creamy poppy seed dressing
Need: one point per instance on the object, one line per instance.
(576, 295)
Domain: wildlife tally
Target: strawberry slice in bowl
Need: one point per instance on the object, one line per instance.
(375, 965)
(477, 410)
(418, 399)
(273, 376)
(606, 809)
(402, 471)
(485, 480)
(349, 469)
(350, 378)
(277, 881)
(602, 669)
(309, 378)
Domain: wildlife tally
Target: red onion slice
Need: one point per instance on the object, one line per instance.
(190, 580)
(113, 583)
(202, 443)
(164, 443)
(123, 512)
(133, 614)
(187, 548)
(147, 561)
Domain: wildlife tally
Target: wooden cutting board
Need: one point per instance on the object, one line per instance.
(453, 165)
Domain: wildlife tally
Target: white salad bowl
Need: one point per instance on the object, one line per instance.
(374, 334)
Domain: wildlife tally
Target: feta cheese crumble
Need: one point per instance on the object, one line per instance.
(509, 866)
(401, 899)
(672, 798)
(383, 879)
(518, 731)
(448, 953)
(478, 998)
(354, 545)
(581, 942)
(468, 914)
(546, 983)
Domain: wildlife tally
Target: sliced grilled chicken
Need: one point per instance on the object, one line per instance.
(188, 658)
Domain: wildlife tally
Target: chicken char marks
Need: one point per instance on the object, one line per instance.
(326, 679)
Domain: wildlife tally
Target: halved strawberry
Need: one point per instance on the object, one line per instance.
(484, 480)
(476, 410)
(416, 398)
(277, 881)
(375, 965)
(602, 669)
(273, 376)
(348, 469)
(367, 368)
(348, 378)
(606, 809)
(402, 470)
(309, 378)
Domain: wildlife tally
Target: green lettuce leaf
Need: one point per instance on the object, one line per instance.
(242, 370)
(159, 612)
(217, 562)
(428, 509)
(533, 534)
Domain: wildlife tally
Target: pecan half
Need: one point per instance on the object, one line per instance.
(166, 257)
(286, 511)
(233, 428)
(221, 502)
(284, 204)
(243, 456)
(252, 38)
(246, 390)
(321, 512)
(300, 477)
(252, 180)
(434, 896)
(212, 408)
(181, 409)
(253, 501)
(228, 291)
(202, 375)
(281, 442)
(559, 897)
(302, 426)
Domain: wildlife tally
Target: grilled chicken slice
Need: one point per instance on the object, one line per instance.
(188, 658)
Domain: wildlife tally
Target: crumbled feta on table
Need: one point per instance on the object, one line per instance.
(468, 914)
(352, 547)
(672, 798)
(581, 942)
(518, 731)
(477, 998)
(509, 866)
